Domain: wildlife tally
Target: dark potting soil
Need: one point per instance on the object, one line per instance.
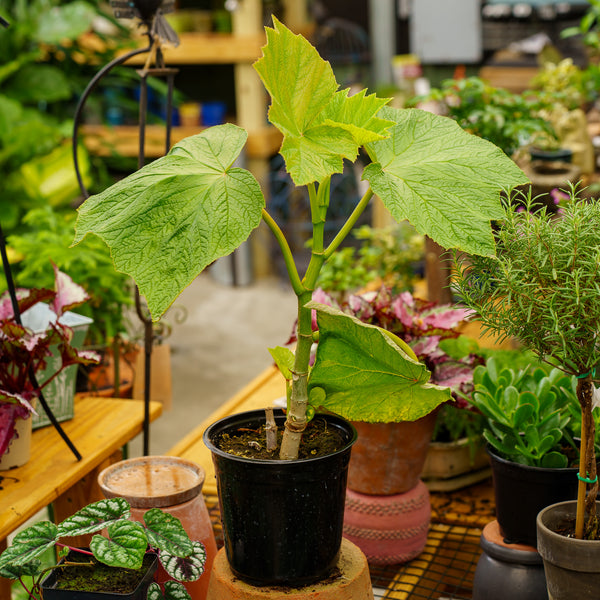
(317, 440)
(94, 576)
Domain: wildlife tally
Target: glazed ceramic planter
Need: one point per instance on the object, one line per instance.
(60, 392)
(559, 155)
(572, 566)
(52, 592)
(506, 571)
(282, 520)
(521, 491)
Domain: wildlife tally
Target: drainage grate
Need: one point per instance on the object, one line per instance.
(443, 571)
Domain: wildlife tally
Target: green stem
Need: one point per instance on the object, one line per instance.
(296, 418)
(286, 251)
(349, 224)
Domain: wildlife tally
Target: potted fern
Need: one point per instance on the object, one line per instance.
(168, 221)
(542, 289)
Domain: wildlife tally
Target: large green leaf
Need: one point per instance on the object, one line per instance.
(172, 218)
(321, 126)
(445, 181)
(29, 543)
(65, 22)
(365, 376)
(38, 83)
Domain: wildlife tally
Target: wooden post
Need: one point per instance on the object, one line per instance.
(437, 273)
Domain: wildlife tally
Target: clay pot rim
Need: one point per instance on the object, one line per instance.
(572, 505)
(153, 501)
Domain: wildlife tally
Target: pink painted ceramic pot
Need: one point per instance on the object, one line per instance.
(388, 529)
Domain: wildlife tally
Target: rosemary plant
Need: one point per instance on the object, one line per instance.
(542, 288)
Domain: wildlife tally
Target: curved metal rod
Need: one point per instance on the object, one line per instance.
(88, 90)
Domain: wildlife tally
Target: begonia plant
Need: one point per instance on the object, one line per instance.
(166, 222)
(23, 351)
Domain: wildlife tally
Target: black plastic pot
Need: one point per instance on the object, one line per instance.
(560, 155)
(50, 592)
(572, 566)
(521, 492)
(282, 520)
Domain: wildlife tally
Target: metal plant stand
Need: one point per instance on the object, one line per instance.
(158, 32)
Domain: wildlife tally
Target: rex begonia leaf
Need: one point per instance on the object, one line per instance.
(187, 568)
(166, 533)
(124, 547)
(321, 126)
(445, 181)
(166, 222)
(30, 543)
(365, 376)
(94, 517)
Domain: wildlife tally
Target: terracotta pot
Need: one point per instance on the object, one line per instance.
(174, 485)
(572, 566)
(388, 529)
(19, 450)
(388, 458)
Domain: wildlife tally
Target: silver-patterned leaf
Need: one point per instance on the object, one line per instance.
(166, 533)
(154, 592)
(175, 590)
(29, 543)
(185, 569)
(94, 517)
(125, 545)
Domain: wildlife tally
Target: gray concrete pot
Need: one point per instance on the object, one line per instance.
(572, 566)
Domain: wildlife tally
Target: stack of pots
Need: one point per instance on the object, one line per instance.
(388, 511)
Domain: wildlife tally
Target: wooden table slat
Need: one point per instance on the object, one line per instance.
(101, 426)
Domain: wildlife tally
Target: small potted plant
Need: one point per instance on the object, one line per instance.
(531, 435)
(177, 215)
(23, 351)
(118, 564)
(541, 289)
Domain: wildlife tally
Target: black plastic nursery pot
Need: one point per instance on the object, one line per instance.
(561, 154)
(521, 491)
(282, 520)
(572, 566)
(51, 591)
